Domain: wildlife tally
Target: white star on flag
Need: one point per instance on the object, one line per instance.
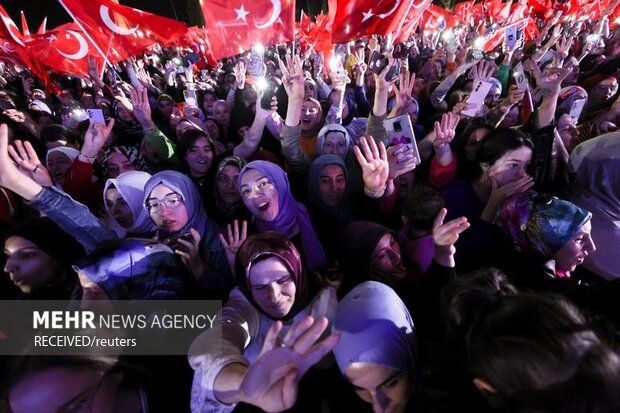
(51, 38)
(367, 15)
(242, 14)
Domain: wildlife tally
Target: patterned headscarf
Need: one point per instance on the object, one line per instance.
(539, 223)
(375, 327)
(129, 152)
(292, 217)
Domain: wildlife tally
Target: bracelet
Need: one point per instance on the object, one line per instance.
(375, 193)
(88, 157)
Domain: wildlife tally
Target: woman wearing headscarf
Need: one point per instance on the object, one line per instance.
(123, 199)
(377, 348)
(552, 238)
(119, 159)
(265, 191)
(174, 204)
(226, 204)
(128, 130)
(596, 167)
(39, 256)
(273, 298)
(328, 200)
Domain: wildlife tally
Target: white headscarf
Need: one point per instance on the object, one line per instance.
(131, 187)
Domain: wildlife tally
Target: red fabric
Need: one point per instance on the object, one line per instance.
(120, 31)
(78, 183)
(413, 20)
(442, 175)
(43, 27)
(357, 18)
(64, 49)
(25, 29)
(233, 26)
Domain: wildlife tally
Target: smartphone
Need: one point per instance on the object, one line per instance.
(474, 54)
(255, 61)
(190, 59)
(95, 116)
(271, 89)
(476, 98)
(377, 62)
(520, 79)
(510, 37)
(190, 97)
(399, 130)
(576, 108)
(173, 242)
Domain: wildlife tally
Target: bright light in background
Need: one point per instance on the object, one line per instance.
(334, 62)
(479, 43)
(447, 35)
(261, 83)
(259, 48)
(176, 61)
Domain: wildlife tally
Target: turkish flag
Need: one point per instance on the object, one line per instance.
(433, 15)
(64, 49)
(234, 26)
(121, 31)
(413, 20)
(357, 18)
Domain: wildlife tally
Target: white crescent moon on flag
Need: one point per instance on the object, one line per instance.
(275, 14)
(104, 13)
(83, 47)
(11, 24)
(6, 46)
(384, 15)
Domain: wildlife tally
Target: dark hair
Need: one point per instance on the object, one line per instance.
(422, 206)
(497, 143)
(187, 139)
(539, 354)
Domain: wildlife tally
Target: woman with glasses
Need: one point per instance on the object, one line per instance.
(266, 193)
(173, 203)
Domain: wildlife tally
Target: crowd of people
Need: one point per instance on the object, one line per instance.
(476, 268)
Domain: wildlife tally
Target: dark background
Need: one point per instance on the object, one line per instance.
(187, 11)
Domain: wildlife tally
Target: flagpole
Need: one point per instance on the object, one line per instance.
(89, 38)
(400, 24)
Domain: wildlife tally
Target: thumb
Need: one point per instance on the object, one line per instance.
(440, 217)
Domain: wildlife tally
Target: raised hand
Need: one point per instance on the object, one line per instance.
(483, 71)
(235, 238)
(374, 163)
(142, 107)
(95, 138)
(445, 130)
(445, 236)
(239, 73)
(10, 176)
(550, 82)
(28, 163)
(272, 381)
(403, 91)
(293, 76)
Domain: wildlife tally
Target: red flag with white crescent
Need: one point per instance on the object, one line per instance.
(122, 31)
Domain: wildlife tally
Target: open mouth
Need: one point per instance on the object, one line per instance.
(263, 207)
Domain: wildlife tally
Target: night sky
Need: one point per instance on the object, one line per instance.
(36, 10)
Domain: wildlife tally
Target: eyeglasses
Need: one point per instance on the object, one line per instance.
(171, 202)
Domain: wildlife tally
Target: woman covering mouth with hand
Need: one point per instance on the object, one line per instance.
(265, 191)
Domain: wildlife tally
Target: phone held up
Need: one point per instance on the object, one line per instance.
(400, 130)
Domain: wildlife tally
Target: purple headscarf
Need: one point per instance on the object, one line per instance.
(292, 216)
